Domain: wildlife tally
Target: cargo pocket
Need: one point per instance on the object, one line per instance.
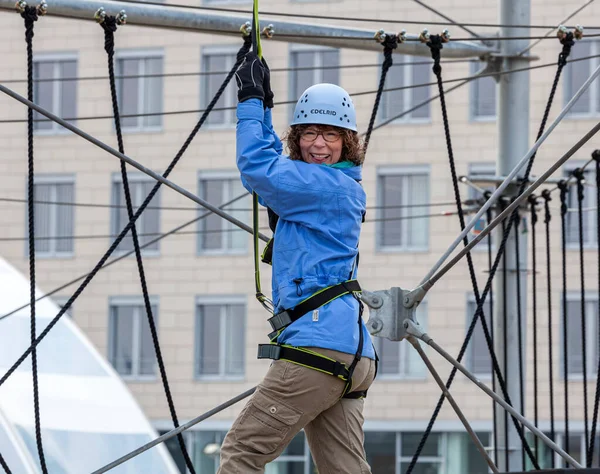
(266, 423)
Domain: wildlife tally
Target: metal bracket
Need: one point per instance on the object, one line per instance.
(387, 313)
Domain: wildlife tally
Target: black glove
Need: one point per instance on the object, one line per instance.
(268, 101)
(249, 77)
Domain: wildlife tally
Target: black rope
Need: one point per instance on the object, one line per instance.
(390, 43)
(109, 25)
(505, 343)
(547, 217)
(519, 329)
(240, 56)
(4, 465)
(435, 45)
(563, 214)
(30, 15)
(487, 195)
(590, 454)
(534, 219)
(579, 176)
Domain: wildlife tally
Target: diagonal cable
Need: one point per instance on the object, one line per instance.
(126, 229)
(109, 25)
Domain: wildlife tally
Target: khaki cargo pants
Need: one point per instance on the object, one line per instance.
(292, 397)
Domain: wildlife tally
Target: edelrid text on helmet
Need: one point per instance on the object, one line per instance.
(325, 104)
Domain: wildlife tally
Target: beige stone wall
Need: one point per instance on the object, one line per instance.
(178, 275)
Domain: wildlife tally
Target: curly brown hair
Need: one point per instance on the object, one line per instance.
(352, 148)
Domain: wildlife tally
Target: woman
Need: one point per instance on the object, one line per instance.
(316, 194)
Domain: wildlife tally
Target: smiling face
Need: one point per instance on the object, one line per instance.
(321, 145)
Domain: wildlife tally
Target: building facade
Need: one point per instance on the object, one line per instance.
(201, 278)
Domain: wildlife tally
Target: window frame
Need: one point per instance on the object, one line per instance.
(317, 73)
(407, 94)
(223, 301)
(401, 170)
(468, 362)
(591, 299)
(216, 175)
(132, 177)
(588, 244)
(52, 179)
(474, 96)
(139, 312)
(223, 50)
(141, 54)
(56, 59)
(594, 89)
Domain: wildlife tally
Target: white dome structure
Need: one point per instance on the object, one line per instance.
(89, 417)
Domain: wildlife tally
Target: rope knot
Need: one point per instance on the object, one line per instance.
(390, 43)
(533, 200)
(596, 156)
(567, 41)
(436, 45)
(562, 185)
(30, 15)
(578, 174)
(109, 25)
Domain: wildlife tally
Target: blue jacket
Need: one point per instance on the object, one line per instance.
(316, 241)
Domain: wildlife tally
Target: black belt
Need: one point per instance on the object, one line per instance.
(311, 360)
(288, 316)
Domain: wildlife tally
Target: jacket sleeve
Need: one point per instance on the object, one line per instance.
(270, 135)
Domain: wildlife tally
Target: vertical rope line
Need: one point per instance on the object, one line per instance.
(389, 44)
(547, 218)
(505, 342)
(109, 25)
(240, 56)
(520, 329)
(492, 322)
(534, 219)
(563, 214)
(590, 456)
(578, 173)
(30, 16)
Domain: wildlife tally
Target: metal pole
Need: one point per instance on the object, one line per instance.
(291, 32)
(513, 134)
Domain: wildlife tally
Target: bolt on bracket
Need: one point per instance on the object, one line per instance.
(387, 313)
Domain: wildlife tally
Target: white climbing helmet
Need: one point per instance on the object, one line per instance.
(325, 104)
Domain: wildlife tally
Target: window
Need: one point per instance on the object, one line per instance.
(575, 356)
(220, 338)
(479, 360)
(140, 91)
(310, 64)
(204, 448)
(53, 93)
(400, 358)
(395, 102)
(483, 95)
(589, 202)
(403, 198)
(54, 223)
(131, 351)
(216, 235)
(477, 170)
(444, 453)
(577, 73)
(219, 61)
(148, 224)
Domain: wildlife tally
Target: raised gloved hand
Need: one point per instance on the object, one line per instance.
(268, 100)
(250, 77)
